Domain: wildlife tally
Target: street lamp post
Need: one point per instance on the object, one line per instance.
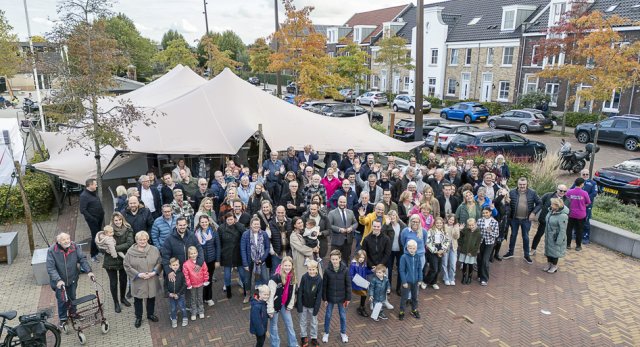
(35, 69)
(206, 18)
(419, 96)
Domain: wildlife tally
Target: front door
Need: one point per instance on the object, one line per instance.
(396, 85)
(464, 85)
(487, 86)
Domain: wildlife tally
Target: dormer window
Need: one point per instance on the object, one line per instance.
(611, 8)
(357, 32)
(332, 35)
(514, 15)
(557, 12)
(508, 20)
(474, 21)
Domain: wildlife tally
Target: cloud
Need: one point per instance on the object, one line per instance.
(188, 27)
(141, 27)
(42, 21)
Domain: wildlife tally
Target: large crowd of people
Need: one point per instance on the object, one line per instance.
(289, 231)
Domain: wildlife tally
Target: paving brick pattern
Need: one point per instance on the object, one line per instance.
(592, 301)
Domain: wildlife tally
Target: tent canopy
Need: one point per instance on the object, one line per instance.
(6, 160)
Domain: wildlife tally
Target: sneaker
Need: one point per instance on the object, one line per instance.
(497, 257)
(423, 285)
(416, 314)
(325, 338)
(528, 260)
(483, 283)
(245, 300)
(452, 283)
(546, 267)
(314, 342)
(361, 311)
(185, 322)
(376, 319)
(210, 302)
(201, 315)
(224, 288)
(387, 305)
(174, 323)
(568, 247)
(401, 315)
(345, 338)
(193, 317)
(534, 252)
(553, 269)
(578, 248)
(507, 255)
(435, 286)
(383, 316)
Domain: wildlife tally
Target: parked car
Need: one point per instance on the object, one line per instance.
(405, 129)
(372, 99)
(496, 142)
(254, 80)
(375, 116)
(521, 120)
(446, 133)
(347, 95)
(466, 111)
(408, 103)
(621, 180)
(315, 105)
(343, 110)
(292, 88)
(622, 130)
(290, 98)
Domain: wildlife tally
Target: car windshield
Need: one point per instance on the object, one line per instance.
(441, 130)
(404, 123)
(478, 108)
(538, 116)
(412, 98)
(629, 165)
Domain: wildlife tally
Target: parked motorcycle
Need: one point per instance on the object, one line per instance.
(575, 161)
(29, 106)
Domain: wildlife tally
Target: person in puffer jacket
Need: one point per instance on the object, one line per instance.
(259, 319)
(176, 292)
(196, 280)
(410, 275)
(379, 287)
(308, 302)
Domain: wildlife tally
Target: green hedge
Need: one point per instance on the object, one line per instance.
(575, 118)
(495, 108)
(435, 102)
(608, 209)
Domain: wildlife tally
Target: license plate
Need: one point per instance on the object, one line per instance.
(483, 118)
(610, 190)
(399, 132)
(548, 127)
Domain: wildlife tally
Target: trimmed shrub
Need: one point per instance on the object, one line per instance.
(608, 209)
(448, 102)
(494, 108)
(435, 102)
(575, 118)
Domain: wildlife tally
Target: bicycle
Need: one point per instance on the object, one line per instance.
(33, 330)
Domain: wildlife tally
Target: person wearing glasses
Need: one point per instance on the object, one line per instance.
(560, 193)
(591, 188)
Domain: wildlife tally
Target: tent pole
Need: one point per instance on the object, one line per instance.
(260, 145)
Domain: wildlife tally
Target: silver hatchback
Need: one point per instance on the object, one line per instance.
(522, 120)
(372, 99)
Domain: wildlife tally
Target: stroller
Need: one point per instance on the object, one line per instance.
(85, 312)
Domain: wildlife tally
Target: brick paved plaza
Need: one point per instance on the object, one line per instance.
(592, 301)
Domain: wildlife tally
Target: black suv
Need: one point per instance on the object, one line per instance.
(620, 130)
(496, 142)
(404, 130)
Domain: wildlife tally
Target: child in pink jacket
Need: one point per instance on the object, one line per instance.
(196, 280)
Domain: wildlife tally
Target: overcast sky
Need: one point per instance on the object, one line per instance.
(250, 19)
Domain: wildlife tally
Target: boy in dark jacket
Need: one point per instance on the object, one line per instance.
(379, 287)
(336, 291)
(308, 302)
(259, 319)
(176, 291)
(410, 274)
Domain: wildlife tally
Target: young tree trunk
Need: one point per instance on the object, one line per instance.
(390, 79)
(96, 144)
(566, 108)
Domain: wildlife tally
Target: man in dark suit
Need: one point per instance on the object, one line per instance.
(343, 223)
(242, 217)
(308, 156)
(168, 187)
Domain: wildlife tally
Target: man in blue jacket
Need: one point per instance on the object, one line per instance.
(163, 226)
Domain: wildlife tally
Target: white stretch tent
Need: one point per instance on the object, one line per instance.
(218, 116)
(6, 161)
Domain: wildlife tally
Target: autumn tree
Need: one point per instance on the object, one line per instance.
(260, 57)
(351, 64)
(137, 50)
(38, 39)
(176, 53)
(217, 60)
(301, 50)
(10, 58)
(395, 55)
(83, 82)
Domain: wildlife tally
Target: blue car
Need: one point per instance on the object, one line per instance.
(466, 111)
(290, 98)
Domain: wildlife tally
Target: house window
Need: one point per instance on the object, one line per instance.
(535, 60)
(530, 83)
(509, 20)
(557, 12)
(468, 57)
(374, 57)
(503, 94)
(451, 86)
(406, 83)
(332, 54)
(490, 56)
(474, 21)
(454, 57)
(552, 90)
(375, 82)
(431, 86)
(613, 104)
(507, 56)
(356, 35)
(434, 56)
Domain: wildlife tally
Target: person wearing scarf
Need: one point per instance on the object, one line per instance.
(283, 287)
(209, 239)
(254, 248)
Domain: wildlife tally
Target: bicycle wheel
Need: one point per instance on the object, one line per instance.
(51, 339)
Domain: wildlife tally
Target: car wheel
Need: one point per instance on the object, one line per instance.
(444, 115)
(467, 119)
(492, 124)
(411, 110)
(395, 108)
(631, 144)
(578, 166)
(583, 137)
(372, 104)
(524, 129)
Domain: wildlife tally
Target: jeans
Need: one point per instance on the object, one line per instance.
(578, 226)
(435, 263)
(62, 303)
(151, 307)
(275, 261)
(394, 258)
(197, 305)
(342, 311)
(304, 322)
(449, 266)
(525, 225)
(176, 304)
(117, 277)
(411, 291)
(207, 291)
(483, 261)
(227, 275)
(358, 240)
(288, 324)
(587, 225)
(248, 278)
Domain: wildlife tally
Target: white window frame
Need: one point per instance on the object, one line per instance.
(451, 82)
(504, 55)
(556, 12)
(467, 57)
(491, 52)
(431, 87)
(528, 83)
(407, 82)
(374, 56)
(503, 93)
(455, 57)
(357, 32)
(332, 54)
(576, 106)
(512, 26)
(534, 52)
(375, 81)
(434, 50)
(553, 93)
(609, 106)
(474, 21)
